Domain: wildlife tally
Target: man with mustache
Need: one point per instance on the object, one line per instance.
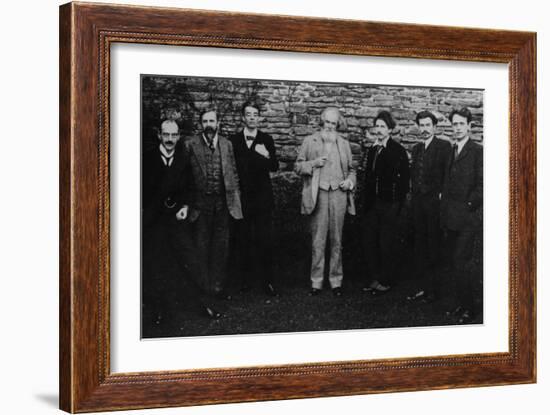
(214, 199)
(326, 166)
(169, 266)
(429, 161)
(256, 157)
(385, 188)
(462, 210)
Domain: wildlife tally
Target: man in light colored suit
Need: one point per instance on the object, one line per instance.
(215, 197)
(326, 166)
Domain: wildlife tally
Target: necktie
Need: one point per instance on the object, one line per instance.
(455, 151)
(249, 140)
(167, 160)
(211, 143)
(377, 150)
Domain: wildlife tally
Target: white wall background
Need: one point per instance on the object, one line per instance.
(29, 208)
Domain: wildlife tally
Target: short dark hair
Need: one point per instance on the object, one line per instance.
(463, 112)
(426, 114)
(252, 104)
(206, 110)
(387, 118)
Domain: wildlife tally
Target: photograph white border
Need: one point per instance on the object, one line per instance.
(130, 354)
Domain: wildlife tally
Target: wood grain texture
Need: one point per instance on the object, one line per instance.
(86, 33)
(65, 249)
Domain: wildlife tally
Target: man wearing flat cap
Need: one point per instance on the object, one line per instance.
(386, 184)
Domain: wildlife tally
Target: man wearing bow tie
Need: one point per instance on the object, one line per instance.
(462, 209)
(169, 266)
(256, 157)
(215, 198)
(429, 161)
(325, 164)
(385, 188)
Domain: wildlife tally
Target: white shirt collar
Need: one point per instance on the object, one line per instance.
(461, 144)
(165, 152)
(214, 141)
(251, 133)
(382, 143)
(428, 142)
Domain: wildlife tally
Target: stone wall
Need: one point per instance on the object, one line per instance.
(290, 111)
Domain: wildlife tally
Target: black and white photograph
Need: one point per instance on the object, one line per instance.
(271, 206)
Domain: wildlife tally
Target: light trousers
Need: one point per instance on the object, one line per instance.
(327, 222)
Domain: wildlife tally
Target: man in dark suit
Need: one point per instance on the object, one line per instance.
(215, 197)
(462, 209)
(386, 185)
(255, 157)
(169, 268)
(429, 160)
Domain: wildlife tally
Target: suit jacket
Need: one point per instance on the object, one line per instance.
(196, 148)
(253, 169)
(389, 181)
(462, 197)
(428, 169)
(164, 188)
(311, 149)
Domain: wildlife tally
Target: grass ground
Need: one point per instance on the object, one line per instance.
(295, 311)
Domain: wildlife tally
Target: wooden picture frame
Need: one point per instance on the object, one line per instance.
(86, 33)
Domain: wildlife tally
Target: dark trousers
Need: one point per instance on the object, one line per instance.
(212, 241)
(381, 224)
(461, 244)
(169, 268)
(254, 249)
(427, 242)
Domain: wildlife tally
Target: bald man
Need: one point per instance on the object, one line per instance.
(326, 166)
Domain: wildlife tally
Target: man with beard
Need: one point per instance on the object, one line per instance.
(215, 197)
(326, 166)
(385, 189)
(256, 157)
(462, 210)
(169, 268)
(429, 161)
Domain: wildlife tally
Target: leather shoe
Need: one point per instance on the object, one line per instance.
(418, 295)
(212, 313)
(428, 299)
(314, 291)
(245, 288)
(337, 291)
(456, 312)
(380, 289)
(271, 290)
(223, 296)
(466, 317)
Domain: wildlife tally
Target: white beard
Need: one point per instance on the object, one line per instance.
(329, 136)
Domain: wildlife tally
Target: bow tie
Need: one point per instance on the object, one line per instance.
(250, 138)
